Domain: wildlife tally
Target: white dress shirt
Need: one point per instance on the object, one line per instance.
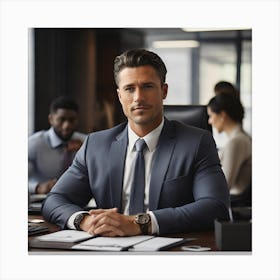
(151, 140)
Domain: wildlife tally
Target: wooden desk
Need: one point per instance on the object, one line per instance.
(205, 239)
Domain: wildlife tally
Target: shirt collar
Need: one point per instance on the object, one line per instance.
(55, 141)
(151, 138)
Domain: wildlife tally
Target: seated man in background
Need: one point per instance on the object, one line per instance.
(148, 175)
(51, 152)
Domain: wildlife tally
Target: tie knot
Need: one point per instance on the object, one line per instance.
(140, 145)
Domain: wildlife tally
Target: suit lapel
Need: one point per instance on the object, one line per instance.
(163, 154)
(117, 155)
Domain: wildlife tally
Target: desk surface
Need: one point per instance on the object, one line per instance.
(204, 239)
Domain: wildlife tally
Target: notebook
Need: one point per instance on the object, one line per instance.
(80, 240)
(111, 243)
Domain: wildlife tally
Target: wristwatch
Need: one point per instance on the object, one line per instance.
(78, 219)
(144, 221)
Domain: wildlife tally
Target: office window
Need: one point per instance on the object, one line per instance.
(178, 64)
(193, 72)
(217, 62)
(246, 84)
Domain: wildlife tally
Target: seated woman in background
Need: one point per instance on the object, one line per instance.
(223, 87)
(226, 114)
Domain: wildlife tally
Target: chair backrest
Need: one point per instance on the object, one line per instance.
(195, 115)
(244, 199)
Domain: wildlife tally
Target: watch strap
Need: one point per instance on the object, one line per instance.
(78, 219)
(144, 228)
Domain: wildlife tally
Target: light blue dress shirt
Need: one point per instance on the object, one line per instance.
(45, 156)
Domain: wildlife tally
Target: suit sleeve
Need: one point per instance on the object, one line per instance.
(71, 192)
(210, 193)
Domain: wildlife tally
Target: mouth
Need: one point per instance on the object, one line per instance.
(140, 107)
(66, 133)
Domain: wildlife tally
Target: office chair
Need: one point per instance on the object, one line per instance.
(195, 115)
(242, 200)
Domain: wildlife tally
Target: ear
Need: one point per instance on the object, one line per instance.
(119, 94)
(223, 114)
(50, 118)
(164, 90)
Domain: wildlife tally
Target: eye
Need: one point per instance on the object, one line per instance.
(129, 89)
(72, 120)
(60, 120)
(148, 86)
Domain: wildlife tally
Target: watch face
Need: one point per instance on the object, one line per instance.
(143, 218)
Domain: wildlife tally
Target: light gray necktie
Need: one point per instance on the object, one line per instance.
(137, 194)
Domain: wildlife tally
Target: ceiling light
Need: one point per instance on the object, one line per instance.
(175, 44)
(214, 29)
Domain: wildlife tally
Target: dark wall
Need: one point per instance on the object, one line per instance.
(79, 63)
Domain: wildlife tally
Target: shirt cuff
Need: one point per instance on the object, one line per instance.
(70, 222)
(154, 223)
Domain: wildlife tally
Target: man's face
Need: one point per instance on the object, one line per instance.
(64, 122)
(141, 94)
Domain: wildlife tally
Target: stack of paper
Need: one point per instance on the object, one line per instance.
(65, 236)
(155, 244)
(80, 240)
(111, 243)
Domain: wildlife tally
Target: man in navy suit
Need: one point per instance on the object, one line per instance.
(184, 186)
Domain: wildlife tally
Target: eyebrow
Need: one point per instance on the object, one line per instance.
(141, 84)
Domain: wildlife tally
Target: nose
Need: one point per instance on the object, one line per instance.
(67, 125)
(209, 121)
(138, 94)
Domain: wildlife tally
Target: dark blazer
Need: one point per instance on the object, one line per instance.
(188, 189)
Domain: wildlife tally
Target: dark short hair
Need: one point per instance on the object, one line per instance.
(63, 102)
(136, 58)
(228, 103)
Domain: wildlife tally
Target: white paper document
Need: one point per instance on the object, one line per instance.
(154, 244)
(65, 236)
(111, 243)
(140, 243)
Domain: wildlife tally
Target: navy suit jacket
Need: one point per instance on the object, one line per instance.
(188, 189)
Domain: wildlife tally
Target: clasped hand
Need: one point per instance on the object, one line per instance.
(108, 222)
(46, 186)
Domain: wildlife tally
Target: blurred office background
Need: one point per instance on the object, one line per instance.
(78, 62)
